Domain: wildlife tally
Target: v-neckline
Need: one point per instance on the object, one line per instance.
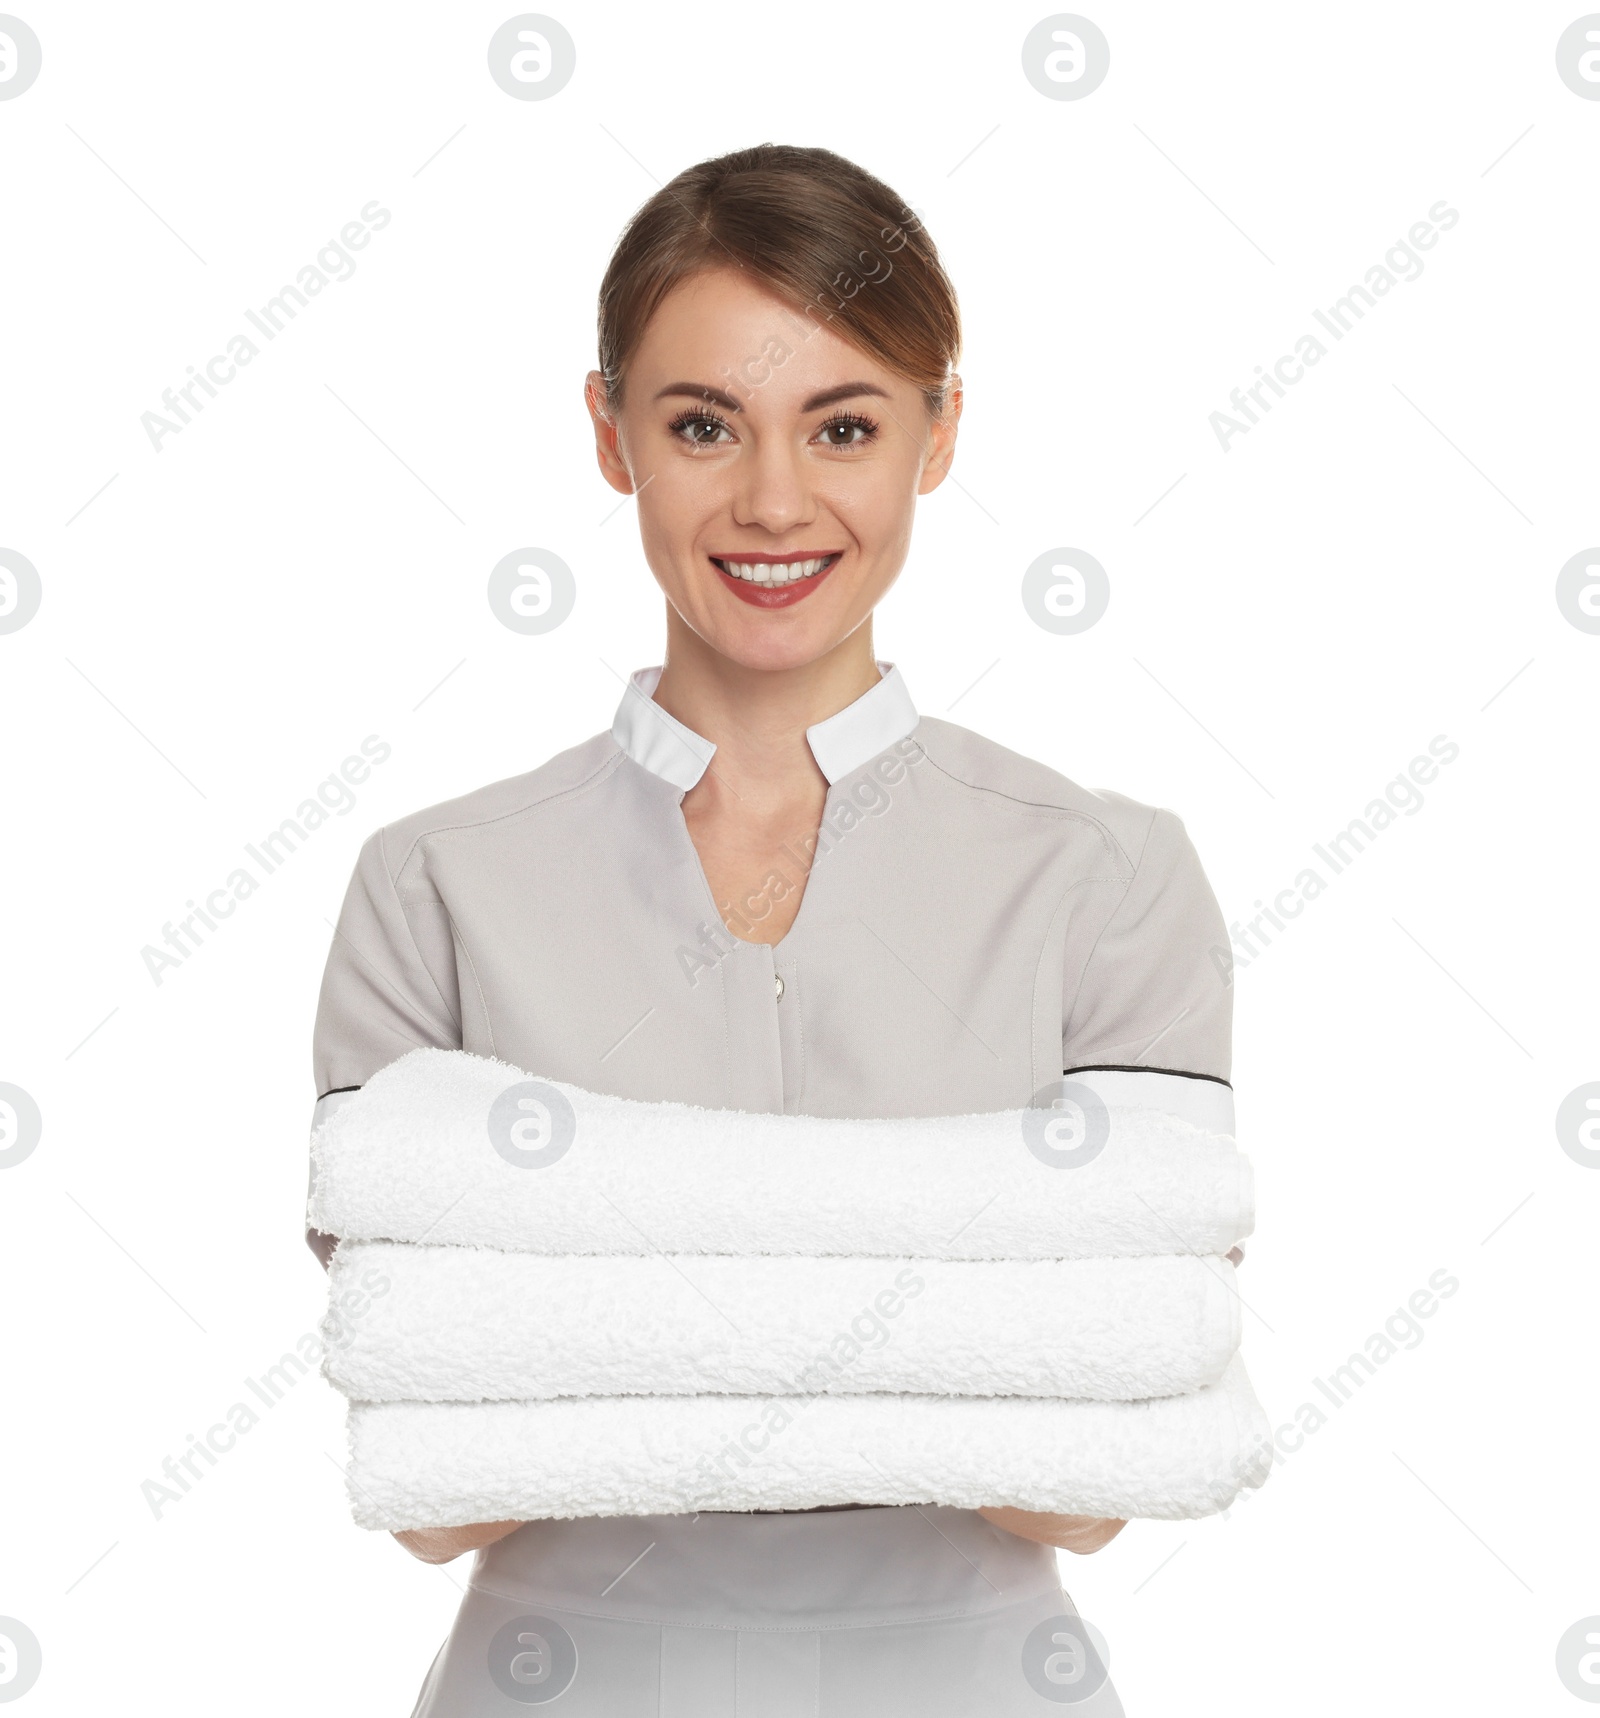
(709, 895)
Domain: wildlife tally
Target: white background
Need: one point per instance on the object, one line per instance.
(1373, 565)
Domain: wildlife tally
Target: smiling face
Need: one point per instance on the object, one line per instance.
(776, 467)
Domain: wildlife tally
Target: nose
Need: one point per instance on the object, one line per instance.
(772, 487)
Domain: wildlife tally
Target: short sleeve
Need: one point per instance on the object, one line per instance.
(1155, 991)
(380, 996)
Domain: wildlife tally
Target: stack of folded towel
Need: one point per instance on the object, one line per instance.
(549, 1302)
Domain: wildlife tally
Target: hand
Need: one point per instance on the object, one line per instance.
(440, 1544)
(1080, 1533)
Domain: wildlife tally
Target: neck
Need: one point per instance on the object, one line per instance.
(757, 717)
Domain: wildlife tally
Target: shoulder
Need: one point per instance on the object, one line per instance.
(982, 766)
(402, 844)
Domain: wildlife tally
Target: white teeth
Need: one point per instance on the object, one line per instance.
(765, 573)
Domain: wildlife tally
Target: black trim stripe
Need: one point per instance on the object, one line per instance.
(1086, 1068)
(1130, 1068)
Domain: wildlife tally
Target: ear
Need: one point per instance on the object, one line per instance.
(607, 435)
(941, 440)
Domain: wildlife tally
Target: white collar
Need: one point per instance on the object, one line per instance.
(842, 742)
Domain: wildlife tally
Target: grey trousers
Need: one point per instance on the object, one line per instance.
(917, 1612)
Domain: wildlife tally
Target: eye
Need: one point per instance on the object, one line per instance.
(692, 426)
(848, 429)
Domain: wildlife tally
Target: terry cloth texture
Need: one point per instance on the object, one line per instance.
(467, 1324)
(413, 1157)
(420, 1464)
(548, 1303)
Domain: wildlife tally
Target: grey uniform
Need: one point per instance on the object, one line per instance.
(973, 926)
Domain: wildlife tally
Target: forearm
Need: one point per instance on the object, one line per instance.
(440, 1544)
(1080, 1533)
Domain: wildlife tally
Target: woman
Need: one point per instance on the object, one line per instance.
(774, 886)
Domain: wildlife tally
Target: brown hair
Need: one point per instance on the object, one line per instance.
(821, 232)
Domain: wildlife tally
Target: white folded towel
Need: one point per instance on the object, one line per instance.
(416, 1464)
(415, 1156)
(466, 1324)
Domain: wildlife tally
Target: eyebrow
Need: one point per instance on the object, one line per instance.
(828, 397)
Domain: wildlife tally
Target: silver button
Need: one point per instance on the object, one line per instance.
(777, 986)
